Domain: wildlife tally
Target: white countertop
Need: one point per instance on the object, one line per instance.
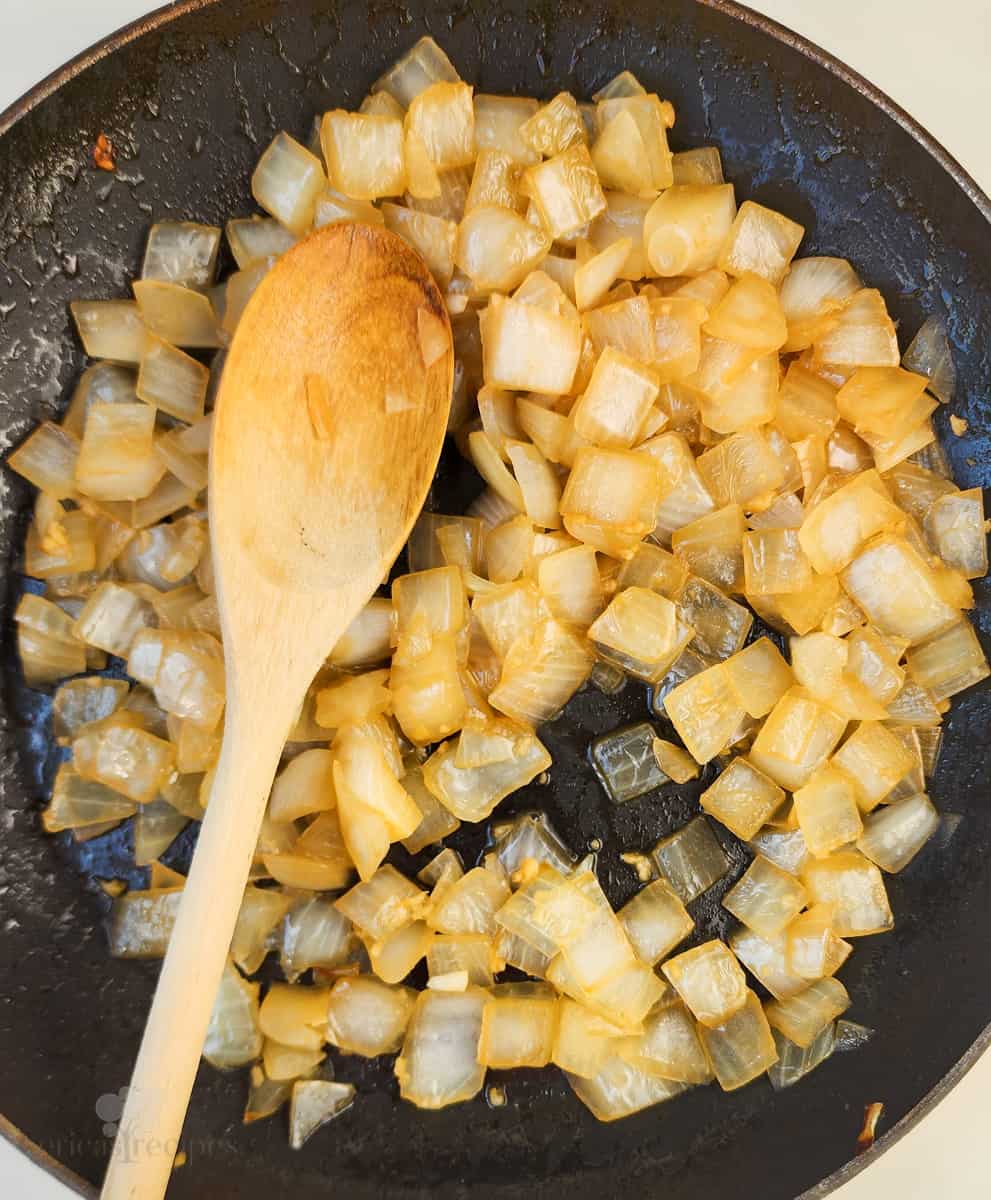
(935, 60)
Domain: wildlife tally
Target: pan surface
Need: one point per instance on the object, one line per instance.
(190, 97)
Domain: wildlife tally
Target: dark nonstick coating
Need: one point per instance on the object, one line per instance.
(190, 105)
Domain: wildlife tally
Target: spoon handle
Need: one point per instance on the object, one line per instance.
(148, 1134)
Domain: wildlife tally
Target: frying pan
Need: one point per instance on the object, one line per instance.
(189, 97)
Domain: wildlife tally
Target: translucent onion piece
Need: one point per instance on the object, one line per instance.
(702, 164)
(141, 923)
(82, 701)
(294, 1015)
(827, 811)
(874, 760)
(691, 860)
(784, 847)
(314, 934)
(566, 190)
(954, 528)
(796, 739)
(705, 712)
(519, 1021)
(813, 949)
(610, 499)
(289, 1062)
(438, 1064)
(116, 459)
(182, 252)
(156, 826)
(469, 904)
(498, 121)
(854, 887)
(929, 354)
(110, 329)
(709, 980)
(254, 239)
(540, 674)
(367, 1017)
(767, 960)
(529, 840)
(171, 381)
(233, 1037)
(760, 241)
(949, 662)
(364, 154)
(469, 953)
(526, 348)
(774, 562)
(262, 909)
(112, 617)
(616, 401)
(686, 226)
(583, 1041)
(803, 1017)
(895, 834)
(128, 760)
(766, 898)
(47, 458)
(669, 1047)
(861, 334)
(721, 627)
(177, 314)
(811, 292)
(742, 1048)
(711, 547)
(641, 633)
(315, 1102)
(383, 904)
(676, 763)
(741, 469)
(625, 764)
(79, 803)
(572, 586)
(619, 1089)
(794, 1062)
(655, 921)
(423, 64)
(366, 641)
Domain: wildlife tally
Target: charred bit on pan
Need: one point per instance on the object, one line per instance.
(103, 154)
(872, 1114)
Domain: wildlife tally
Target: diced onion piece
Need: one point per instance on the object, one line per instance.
(262, 909)
(669, 1047)
(785, 847)
(594, 278)
(813, 949)
(519, 1021)
(898, 590)
(625, 763)
(583, 1040)
(760, 676)
(442, 117)
(497, 248)
(287, 181)
(860, 335)
(741, 469)
(254, 239)
(437, 822)
(761, 241)
(676, 763)
(620, 1088)
(333, 207)
(295, 1015)
(314, 934)
(949, 662)
(709, 980)
(954, 528)
(423, 64)
(691, 860)
(471, 793)
(498, 121)
(367, 639)
(128, 760)
(686, 226)
(742, 798)
(812, 291)
(774, 562)
(839, 525)
(710, 546)
(610, 499)
(641, 632)
(895, 834)
(156, 826)
(117, 460)
(750, 314)
(653, 119)
(742, 1048)
(439, 1060)
(765, 898)
(289, 1062)
(470, 954)
(554, 126)
(364, 154)
(702, 164)
(526, 348)
(383, 904)
(110, 329)
(798, 736)
(141, 923)
(803, 1017)
(705, 711)
(469, 904)
(233, 1037)
(495, 181)
(618, 398)
(767, 960)
(367, 1017)
(81, 701)
(315, 1102)
(929, 354)
(47, 458)
(79, 803)
(874, 760)
(357, 698)
(541, 673)
(566, 191)
(112, 617)
(538, 484)
(853, 885)
(621, 157)
(571, 585)
(176, 314)
(655, 921)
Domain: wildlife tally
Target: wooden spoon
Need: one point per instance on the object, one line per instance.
(328, 428)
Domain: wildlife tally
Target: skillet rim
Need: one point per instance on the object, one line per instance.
(160, 17)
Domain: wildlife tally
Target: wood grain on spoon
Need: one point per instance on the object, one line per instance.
(328, 429)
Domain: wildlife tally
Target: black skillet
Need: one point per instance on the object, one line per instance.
(190, 96)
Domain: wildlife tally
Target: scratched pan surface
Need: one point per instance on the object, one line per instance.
(190, 97)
